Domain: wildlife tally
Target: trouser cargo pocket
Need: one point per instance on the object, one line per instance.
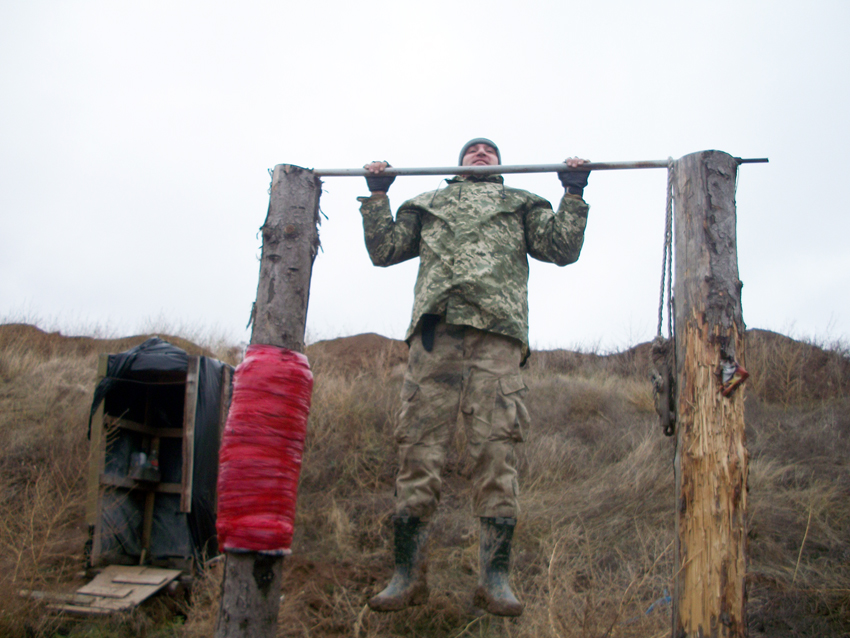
(409, 392)
(511, 416)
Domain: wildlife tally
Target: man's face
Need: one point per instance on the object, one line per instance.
(480, 155)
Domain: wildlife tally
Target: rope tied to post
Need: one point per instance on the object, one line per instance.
(667, 260)
(663, 351)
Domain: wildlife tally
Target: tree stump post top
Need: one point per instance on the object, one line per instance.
(290, 244)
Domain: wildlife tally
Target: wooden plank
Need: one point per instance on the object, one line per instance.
(121, 587)
(96, 449)
(134, 426)
(190, 405)
(57, 597)
(223, 408)
(80, 610)
(107, 592)
(142, 575)
(147, 526)
(103, 583)
(97, 463)
(224, 398)
(129, 571)
(113, 480)
(141, 579)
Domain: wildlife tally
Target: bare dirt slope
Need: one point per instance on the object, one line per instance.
(359, 354)
(55, 344)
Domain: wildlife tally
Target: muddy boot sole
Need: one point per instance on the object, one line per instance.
(413, 597)
(498, 607)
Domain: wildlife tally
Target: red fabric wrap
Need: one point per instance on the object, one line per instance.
(260, 457)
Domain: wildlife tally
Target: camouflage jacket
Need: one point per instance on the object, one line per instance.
(472, 238)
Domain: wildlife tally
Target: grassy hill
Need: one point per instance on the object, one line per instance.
(594, 546)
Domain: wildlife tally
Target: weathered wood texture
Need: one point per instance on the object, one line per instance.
(711, 457)
(190, 407)
(290, 244)
(250, 596)
(251, 588)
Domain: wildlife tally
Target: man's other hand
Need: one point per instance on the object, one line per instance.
(377, 182)
(574, 181)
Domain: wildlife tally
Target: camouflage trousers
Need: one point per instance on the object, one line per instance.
(474, 373)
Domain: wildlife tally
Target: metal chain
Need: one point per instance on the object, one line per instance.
(667, 261)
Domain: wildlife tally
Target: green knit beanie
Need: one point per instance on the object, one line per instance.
(478, 140)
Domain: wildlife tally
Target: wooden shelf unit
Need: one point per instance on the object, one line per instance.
(104, 424)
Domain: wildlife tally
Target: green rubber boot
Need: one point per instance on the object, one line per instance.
(408, 586)
(494, 593)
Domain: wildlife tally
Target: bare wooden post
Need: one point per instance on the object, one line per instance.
(251, 589)
(711, 455)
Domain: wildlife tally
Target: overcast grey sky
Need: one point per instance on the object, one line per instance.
(135, 140)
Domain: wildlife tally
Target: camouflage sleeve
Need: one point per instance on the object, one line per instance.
(389, 241)
(555, 237)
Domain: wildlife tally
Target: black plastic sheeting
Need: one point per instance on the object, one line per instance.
(147, 384)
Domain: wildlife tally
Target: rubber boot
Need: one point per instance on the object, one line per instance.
(408, 586)
(494, 593)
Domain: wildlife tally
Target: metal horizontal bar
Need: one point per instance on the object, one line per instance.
(487, 170)
(502, 170)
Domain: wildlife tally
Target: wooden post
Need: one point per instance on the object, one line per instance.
(97, 461)
(711, 456)
(190, 407)
(251, 588)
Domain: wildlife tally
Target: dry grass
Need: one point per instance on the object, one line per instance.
(791, 372)
(594, 547)
(46, 387)
(43, 403)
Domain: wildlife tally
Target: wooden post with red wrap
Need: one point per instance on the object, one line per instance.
(260, 457)
(711, 455)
